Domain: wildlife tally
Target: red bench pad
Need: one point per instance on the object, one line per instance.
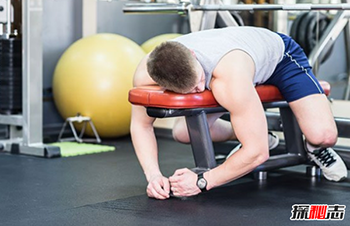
(155, 96)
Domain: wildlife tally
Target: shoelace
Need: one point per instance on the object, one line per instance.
(324, 156)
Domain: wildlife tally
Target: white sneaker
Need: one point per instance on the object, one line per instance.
(329, 161)
(273, 143)
(274, 140)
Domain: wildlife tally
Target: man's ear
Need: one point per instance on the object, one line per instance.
(193, 53)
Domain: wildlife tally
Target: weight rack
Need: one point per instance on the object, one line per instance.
(26, 129)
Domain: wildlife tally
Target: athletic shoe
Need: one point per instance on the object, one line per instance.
(274, 140)
(329, 161)
(273, 143)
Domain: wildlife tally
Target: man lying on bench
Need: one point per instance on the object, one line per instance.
(231, 62)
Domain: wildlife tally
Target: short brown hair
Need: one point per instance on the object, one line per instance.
(172, 66)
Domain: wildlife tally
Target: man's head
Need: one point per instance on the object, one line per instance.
(174, 67)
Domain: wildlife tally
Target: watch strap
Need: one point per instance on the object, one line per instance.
(200, 176)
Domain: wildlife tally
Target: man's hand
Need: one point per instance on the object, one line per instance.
(184, 183)
(158, 187)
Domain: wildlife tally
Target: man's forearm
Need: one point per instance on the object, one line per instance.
(145, 145)
(238, 165)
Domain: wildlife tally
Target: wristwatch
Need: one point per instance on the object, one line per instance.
(202, 182)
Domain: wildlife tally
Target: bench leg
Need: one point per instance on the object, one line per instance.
(203, 150)
(202, 145)
(292, 133)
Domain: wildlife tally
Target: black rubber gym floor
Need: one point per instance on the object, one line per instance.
(109, 189)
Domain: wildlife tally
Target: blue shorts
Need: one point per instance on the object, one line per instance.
(293, 75)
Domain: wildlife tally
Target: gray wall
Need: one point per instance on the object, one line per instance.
(62, 20)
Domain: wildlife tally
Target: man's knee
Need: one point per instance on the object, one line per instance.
(324, 138)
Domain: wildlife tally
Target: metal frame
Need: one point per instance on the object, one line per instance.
(340, 22)
(200, 20)
(201, 143)
(28, 139)
(185, 6)
(274, 120)
(204, 13)
(337, 25)
(8, 10)
(79, 119)
(343, 124)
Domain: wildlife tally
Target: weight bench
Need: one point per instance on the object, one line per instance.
(161, 103)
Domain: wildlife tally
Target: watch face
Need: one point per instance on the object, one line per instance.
(202, 183)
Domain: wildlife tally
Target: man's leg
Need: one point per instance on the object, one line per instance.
(220, 130)
(316, 121)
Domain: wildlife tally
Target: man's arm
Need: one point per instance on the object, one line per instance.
(144, 140)
(233, 88)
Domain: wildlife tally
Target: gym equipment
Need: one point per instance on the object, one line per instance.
(10, 64)
(93, 78)
(235, 15)
(10, 76)
(189, 6)
(161, 103)
(198, 19)
(25, 130)
(5, 18)
(294, 30)
(69, 149)
(312, 28)
(79, 119)
(149, 45)
(308, 28)
(339, 23)
(237, 18)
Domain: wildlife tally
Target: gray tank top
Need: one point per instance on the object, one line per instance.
(265, 47)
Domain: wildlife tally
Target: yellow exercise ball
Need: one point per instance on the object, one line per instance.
(152, 43)
(93, 78)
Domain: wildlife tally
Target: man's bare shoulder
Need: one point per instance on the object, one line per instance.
(141, 76)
